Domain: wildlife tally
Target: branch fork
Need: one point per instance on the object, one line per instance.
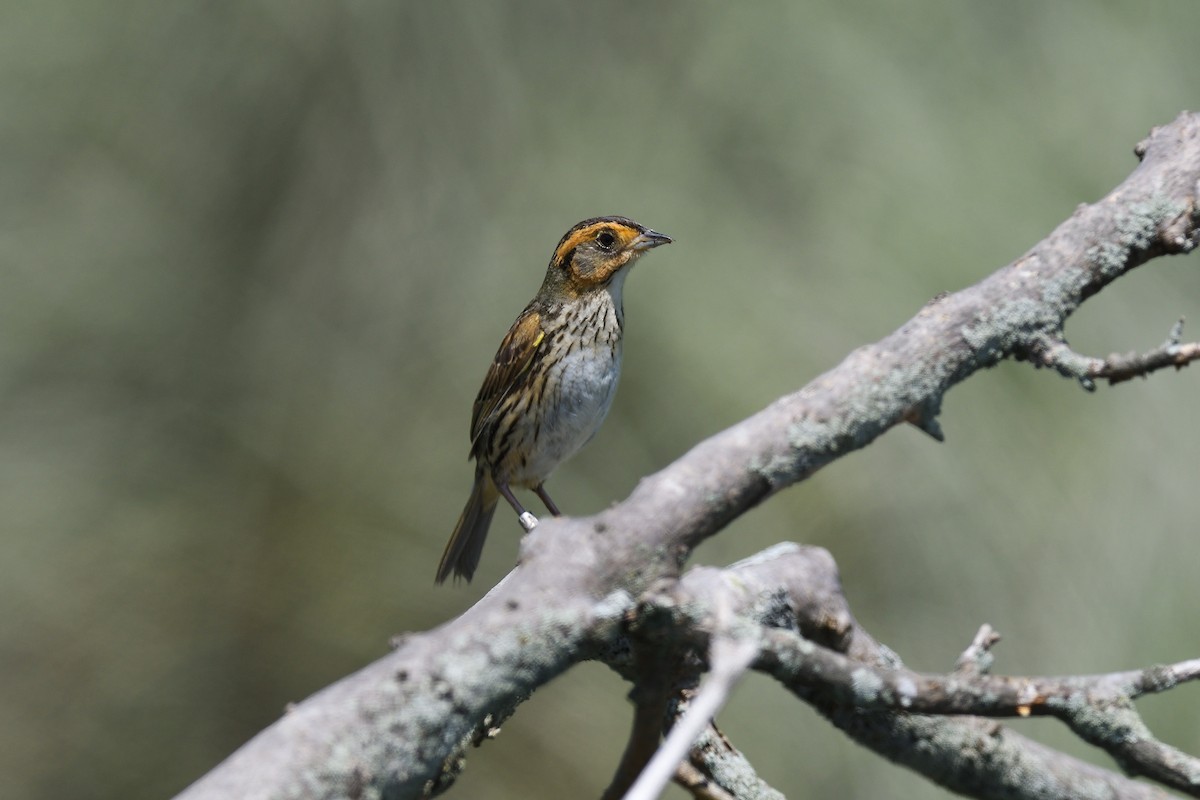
(1053, 351)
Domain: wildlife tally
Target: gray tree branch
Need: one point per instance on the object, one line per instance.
(392, 728)
(863, 688)
(715, 764)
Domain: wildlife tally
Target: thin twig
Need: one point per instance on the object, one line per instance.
(1097, 707)
(654, 672)
(789, 588)
(1052, 350)
(699, 786)
(1118, 368)
(715, 758)
(791, 658)
(977, 658)
(729, 659)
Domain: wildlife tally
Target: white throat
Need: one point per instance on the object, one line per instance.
(615, 289)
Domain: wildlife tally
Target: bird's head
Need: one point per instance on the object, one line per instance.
(592, 252)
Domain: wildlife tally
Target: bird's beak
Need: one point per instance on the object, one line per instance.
(649, 239)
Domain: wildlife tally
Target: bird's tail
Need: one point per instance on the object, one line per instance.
(466, 543)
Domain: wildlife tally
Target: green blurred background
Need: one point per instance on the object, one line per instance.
(257, 256)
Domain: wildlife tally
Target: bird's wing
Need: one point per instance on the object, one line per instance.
(508, 370)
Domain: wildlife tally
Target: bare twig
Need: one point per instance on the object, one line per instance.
(792, 659)
(654, 673)
(790, 588)
(1052, 350)
(722, 765)
(698, 785)
(977, 658)
(1171, 353)
(729, 659)
(1097, 707)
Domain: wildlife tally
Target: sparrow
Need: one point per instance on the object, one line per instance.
(551, 382)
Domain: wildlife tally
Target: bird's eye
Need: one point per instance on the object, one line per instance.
(606, 240)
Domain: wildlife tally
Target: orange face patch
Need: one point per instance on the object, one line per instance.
(586, 233)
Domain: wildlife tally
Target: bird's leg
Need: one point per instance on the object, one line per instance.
(528, 521)
(540, 489)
